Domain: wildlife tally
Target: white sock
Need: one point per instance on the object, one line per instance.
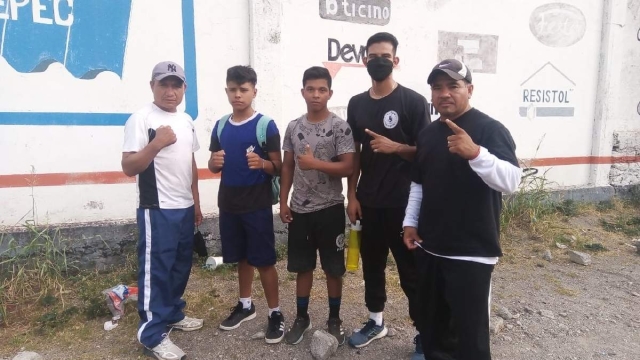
(377, 317)
(271, 311)
(246, 303)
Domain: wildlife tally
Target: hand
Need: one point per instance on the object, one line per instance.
(285, 213)
(254, 161)
(218, 159)
(410, 237)
(381, 144)
(198, 215)
(306, 161)
(164, 136)
(460, 142)
(354, 211)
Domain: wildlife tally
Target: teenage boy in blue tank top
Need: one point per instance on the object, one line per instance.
(245, 199)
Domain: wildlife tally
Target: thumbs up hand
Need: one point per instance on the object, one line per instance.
(460, 142)
(306, 161)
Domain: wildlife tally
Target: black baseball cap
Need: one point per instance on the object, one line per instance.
(452, 67)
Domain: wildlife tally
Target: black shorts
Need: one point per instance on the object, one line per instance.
(321, 230)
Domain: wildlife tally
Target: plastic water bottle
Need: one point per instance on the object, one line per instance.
(353, 251)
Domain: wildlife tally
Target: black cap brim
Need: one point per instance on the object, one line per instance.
(452, 74)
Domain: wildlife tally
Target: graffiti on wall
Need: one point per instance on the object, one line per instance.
(341, 54)
(87, 38)
(479, 52)
(557, 24)
(372, 12)
(547, 93)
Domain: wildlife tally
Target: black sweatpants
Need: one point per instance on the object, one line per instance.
(454, 308)
(381, 232)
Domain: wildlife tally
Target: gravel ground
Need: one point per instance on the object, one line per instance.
(560, 310)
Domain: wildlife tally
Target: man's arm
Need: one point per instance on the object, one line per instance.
(133, 163)
(412, 214)
(382, 144)
(286, 176)
(352, 183)
(195, 191)
(342, 168)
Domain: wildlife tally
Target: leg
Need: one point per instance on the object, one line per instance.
(156, 257)
(245, 278)
(184, 259)
(261, 251)
(374, 252)
(467, 287)
(434, 313)
(405, 259)
(301, 253)
(329, 230)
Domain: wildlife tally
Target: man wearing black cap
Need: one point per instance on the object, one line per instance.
(159, 142)
(463, 164)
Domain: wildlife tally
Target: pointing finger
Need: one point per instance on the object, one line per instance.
(456, 129)
(371, 133)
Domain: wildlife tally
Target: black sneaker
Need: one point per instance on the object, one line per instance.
(238, 316)
(275, 329)
(296, 333)
(334, 327)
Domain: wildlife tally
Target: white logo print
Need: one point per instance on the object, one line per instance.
(390, 119)
(340, 242)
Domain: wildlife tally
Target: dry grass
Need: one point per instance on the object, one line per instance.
(44, 299)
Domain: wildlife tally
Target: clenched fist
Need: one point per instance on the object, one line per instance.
(164, 136)
(254, 161)
(218, 158)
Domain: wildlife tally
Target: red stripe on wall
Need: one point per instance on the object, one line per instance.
(117, 177)
(86, 178)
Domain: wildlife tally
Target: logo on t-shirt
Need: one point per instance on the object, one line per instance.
(390, 119)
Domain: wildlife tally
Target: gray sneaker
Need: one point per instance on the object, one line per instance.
(367, 334)
(188, 324)
(297, 330)
(166, 350)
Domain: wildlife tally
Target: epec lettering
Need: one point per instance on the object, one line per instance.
(376, 12)
(46, 12)
(347, 52)
(545, 96)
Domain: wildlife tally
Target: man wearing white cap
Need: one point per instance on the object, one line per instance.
(159, 142)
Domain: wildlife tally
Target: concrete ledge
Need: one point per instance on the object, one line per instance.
(101, 245)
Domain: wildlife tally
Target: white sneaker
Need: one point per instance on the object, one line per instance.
(166, 350)
(188, 324)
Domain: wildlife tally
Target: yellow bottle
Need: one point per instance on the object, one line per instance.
(353, 251)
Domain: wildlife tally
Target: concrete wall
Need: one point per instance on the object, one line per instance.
(562, 76)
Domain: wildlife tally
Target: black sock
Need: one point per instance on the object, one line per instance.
(334, 307)
(303, 306)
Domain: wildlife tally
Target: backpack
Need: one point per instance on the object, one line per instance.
(261, 135)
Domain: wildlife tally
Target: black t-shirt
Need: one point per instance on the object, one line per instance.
(399, 116)
(460, 214)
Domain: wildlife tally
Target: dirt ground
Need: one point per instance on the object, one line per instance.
(561, 310)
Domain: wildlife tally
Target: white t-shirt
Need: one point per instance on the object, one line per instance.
(166, 183)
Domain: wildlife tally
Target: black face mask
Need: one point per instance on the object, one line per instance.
(379, 68)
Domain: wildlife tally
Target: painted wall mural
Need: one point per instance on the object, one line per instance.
(547, 93)
(372, 12)
(558, 24)
(478, 51)
(88, 38)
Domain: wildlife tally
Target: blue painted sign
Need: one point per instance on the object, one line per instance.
(87, 37)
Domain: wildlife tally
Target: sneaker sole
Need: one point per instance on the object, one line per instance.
(150, 353)
(186, 328)
(301, 336)
(274, 341)
(382, 334)
(250, 317)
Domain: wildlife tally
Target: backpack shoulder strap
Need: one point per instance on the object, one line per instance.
(221, 123)
(261, 131)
